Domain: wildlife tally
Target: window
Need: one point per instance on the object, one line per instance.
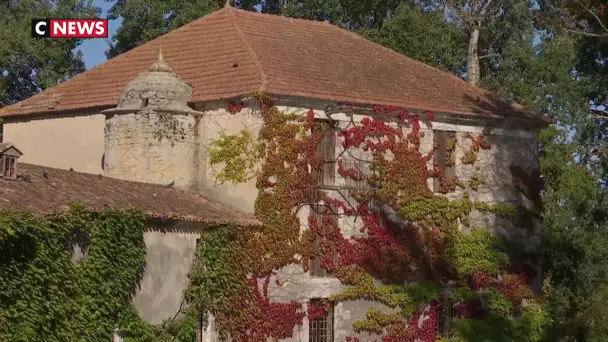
(318, 212)
(1, 132)
(7, 164)
(325, 135)
(321, 329)
(446, 317)
(444, 159)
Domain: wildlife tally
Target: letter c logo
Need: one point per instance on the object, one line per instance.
(38, 30)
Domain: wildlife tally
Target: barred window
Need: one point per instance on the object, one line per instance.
(321, 329)
(318, 212)
(445, 319)
(7, 165)
(444, 158)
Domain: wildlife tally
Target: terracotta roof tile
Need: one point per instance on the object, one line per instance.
(233, 52)
(44, 190)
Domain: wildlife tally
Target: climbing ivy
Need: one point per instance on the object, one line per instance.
(518, 215)
(246, 152)
(45, 296)
(407, 266)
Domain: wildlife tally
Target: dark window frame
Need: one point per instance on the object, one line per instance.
(9, 167)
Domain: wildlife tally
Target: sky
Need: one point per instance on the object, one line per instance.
(94, 49)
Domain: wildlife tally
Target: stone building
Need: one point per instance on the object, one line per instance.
(149, 118)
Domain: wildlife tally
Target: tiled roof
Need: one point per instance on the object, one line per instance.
(233, 52)
(45, 190)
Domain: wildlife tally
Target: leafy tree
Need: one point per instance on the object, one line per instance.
(444, 44)
(28, 65)
(349, 14)
(575, 239)
(587, 20)
(144, 20)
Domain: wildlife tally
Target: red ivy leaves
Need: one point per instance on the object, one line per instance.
(269, 319)
(234, 108)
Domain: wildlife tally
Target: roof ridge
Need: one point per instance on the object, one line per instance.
(153, 200)
(281, 17)
(252, 53)
(121, 180)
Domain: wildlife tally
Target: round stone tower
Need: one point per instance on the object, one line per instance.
(152, 135)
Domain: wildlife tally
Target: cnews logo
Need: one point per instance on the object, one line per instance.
(70, 28)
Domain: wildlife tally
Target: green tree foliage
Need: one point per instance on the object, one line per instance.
(445, 44)
(28, 65)
(575, 240)
(144, 20)
(349, 14)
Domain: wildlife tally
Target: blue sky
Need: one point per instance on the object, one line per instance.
(94, 49)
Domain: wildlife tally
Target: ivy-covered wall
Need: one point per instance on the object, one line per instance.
(279, 148)
(44, 296)
(80, 275)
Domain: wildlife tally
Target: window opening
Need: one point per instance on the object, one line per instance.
(321, 329)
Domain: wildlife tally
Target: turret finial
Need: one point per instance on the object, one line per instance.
(227, 3)
(160, 54)
(160, 65)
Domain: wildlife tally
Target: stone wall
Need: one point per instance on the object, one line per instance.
(152, 147)
(170, 253)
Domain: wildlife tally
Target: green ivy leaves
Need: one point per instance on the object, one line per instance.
(44, 296)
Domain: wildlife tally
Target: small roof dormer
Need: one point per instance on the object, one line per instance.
(8, 160)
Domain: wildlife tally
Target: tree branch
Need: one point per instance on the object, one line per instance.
(588, 34)
(464, 16)
(597, 19)
(489, 55)
(484, 9)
